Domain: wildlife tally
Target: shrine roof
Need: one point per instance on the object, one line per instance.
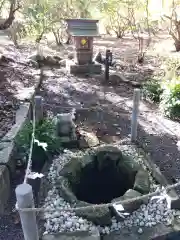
(83, 27)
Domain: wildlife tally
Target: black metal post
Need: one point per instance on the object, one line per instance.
(108, 62)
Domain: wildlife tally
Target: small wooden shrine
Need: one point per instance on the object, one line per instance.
(83, 32)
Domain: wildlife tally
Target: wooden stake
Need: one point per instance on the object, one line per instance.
(135, 113)
(24, 196)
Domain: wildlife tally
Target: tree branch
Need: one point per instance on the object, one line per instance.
(7, 23)
(2, 4)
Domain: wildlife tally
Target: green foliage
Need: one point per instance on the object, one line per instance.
(152, 90)
(115, 16)
(38, 17)
(44, 133)
(167, 92)
(170, 99)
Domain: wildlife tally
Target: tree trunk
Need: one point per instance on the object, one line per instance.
(39, 38)
(177, 45)
(7, 23)
(119, 35)
(69, 40)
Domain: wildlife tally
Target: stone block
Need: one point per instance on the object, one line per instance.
(83, 69)
(6, 155)
(88, 140)
(7, 146)
(142, 182)
(131, 206)
(4, 187)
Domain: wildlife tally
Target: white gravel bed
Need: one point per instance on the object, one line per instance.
(66, 221)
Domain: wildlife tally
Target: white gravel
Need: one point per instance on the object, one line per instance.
(146, 216)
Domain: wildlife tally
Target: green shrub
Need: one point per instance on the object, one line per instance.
(170, 99)
(152, 90)
(44, 133)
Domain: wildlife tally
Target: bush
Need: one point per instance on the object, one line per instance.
(152, 90)
(170, 99)
(44, 133)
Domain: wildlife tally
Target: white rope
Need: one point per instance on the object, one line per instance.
(95, 206)
(29, 165)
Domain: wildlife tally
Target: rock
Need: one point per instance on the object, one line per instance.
(88, 140)
(140, 231)
(62, 63)
(99, 58)
(141, 224)
(50, 60)
(100, 216)
(70, 55)
(36, 57)
(119, 64)
(142, 183)
(65, 125)
(66, 191)
(58, 58)
(68, 224)
(6, 59)
(33, 63)
(131, 206)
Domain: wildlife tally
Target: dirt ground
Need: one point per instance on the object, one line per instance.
(17, 80)
(104, 108)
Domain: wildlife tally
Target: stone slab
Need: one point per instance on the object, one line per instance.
(7, 146)
(4, 187)
(73, 236)
(83, 69)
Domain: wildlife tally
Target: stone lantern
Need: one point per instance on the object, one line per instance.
(83, 31)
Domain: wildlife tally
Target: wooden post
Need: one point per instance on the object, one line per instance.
(135, 113)
(38, 103)
(24, 196)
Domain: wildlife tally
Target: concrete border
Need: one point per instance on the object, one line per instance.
(159, 177)
(78, 235)
(8, 148)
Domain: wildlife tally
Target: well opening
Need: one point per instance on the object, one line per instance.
(103, 179)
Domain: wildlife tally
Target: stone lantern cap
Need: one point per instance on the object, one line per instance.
(83, 27)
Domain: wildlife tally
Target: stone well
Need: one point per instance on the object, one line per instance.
(103, 175)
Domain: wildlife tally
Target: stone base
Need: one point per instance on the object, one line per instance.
(73, 236)
(83, 69)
